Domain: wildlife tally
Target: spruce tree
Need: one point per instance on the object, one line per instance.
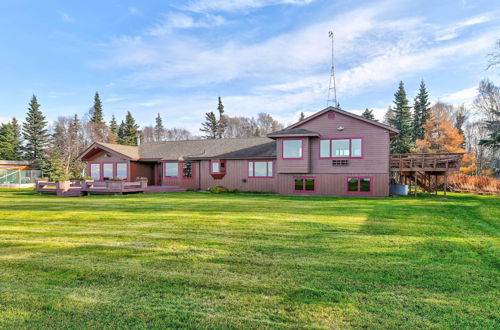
(35, 132)
(121, 132)
(402, 143)
(222, 124)
(9, 142)
(159, 129)
(18, 138)
(368, 114)
(97, 115)
(210, 126)
(421, 112)
(130, 131)
(113, 125)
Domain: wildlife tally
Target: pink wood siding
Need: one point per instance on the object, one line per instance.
(236, 172)
(102, 158)
(375, 145)
(185, 183)
(335, 184)
(299, 165)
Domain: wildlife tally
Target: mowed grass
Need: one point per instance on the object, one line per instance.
(199, 260)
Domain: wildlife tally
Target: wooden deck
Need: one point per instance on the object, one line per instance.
(77, 188)
(425, 162)
(424, 169)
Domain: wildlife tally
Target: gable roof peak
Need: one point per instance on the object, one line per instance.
(347, 113)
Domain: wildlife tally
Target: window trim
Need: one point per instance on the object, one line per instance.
(358, 192)
(301, 148)
(350, 147)
(220, 161)
(304, 183)
(116, 169)
(165, 171)
(267, 169)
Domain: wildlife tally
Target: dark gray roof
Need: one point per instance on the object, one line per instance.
(293, 131)
(266, 150)
(195, 149)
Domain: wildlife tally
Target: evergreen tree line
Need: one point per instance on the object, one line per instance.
(448, 128)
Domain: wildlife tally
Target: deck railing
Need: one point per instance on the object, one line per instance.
(442, 162)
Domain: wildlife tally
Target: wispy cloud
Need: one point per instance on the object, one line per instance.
(235, 5)
(65, 17)
(173, 21)
(454, 30)
(134, 11)
(290, 70)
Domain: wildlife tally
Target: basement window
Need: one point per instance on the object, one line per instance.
(359, 185)
(304, 184)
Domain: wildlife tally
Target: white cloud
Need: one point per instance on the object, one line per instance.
(174, 21)
(289, 72)
(65, 17)
(134, 11)
(462, 96)
(236, 5)
(454, 30)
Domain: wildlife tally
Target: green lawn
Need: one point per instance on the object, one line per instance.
(229, 261)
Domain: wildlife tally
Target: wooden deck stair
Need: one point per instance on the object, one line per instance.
(419, 168)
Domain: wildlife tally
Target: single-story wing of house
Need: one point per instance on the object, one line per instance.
(333, 152)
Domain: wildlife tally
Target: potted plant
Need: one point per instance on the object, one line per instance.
(85, 180)
(143, 181)
(62, 182)
(115, 183)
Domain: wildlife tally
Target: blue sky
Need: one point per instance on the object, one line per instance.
(176, 57)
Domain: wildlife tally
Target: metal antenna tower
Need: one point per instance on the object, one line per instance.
(332, 85)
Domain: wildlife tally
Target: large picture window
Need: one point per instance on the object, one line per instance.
(171, 170)
(107, 171)
(122, 170)
(341, 148)
(95, 171)
(260, 169)
(359, 184)
(304, 184)
(292, 149)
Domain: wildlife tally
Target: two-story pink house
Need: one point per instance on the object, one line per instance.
(332, 152)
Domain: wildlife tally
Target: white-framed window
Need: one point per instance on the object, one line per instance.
(122, 170)
(292, 148)
(260, 169)
(171, 170)
(95, 171)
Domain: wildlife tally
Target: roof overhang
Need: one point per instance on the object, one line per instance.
(274, 136)
(95, 148)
